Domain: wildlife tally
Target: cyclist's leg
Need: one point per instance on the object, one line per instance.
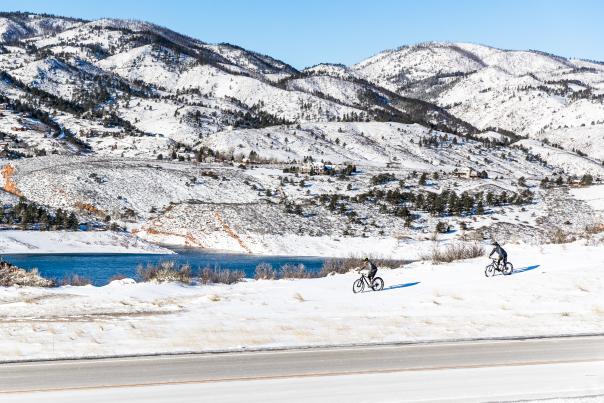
(499, 267)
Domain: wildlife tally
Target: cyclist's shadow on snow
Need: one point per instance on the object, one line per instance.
(394, 287)
(523, 269)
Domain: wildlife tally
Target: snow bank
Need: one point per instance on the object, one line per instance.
(12, 242)
(555, 289)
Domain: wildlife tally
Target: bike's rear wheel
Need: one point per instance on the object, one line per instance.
(377, 284)
(489, 271)
(358, 286)
(508, 269)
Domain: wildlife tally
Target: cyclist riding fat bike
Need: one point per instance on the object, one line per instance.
(501, 254)
(371, 268)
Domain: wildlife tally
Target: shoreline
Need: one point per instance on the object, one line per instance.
(17, 242)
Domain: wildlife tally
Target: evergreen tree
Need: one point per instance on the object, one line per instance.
(72, 223)
(59, 219)
(480, 208)
(522, 181)
(586, 180)
(422, 179)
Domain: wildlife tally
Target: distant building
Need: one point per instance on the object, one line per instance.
(466, 172)
(393, 164)
(310, 167)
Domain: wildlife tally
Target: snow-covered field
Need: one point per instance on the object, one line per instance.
(593, 195)
(12, 242)
(556, 289)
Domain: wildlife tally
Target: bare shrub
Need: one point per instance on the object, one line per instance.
(265, 271)
(339, 266)
(14, 276)
(217, 275)
(558, 236)
(345, 265)
(455, 251)
(75, 280)
(594, 229)
(476, 235)
(295, 271)
(165, 271)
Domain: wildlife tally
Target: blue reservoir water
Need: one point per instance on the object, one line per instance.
(101, 267)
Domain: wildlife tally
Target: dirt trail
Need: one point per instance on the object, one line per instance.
(230, 232)
(189, 239)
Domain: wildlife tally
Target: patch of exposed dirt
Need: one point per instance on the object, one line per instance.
(9, 185)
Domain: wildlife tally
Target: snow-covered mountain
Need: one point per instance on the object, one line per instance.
(137, 89)
(134, 88)
(526, 92)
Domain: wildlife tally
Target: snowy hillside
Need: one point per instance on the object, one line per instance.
(18, 26)
(135, 127)
(148, 89)
(526, 92)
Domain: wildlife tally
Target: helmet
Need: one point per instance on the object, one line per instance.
(366, 259)
(494, 243)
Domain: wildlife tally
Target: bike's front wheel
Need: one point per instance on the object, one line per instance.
(508, 269)
(489, 271)
(358, 286)
(377, 284)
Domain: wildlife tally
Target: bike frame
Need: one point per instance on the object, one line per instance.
(497, 264)
(366, 280)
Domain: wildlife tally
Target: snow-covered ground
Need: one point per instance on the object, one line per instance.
(556, 289)
(593, 195)
(12, 242)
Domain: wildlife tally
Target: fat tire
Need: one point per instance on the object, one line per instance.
(489, 271)
(358, 286)
(508, 269)
(377, 284)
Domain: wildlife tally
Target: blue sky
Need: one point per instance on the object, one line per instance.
(307, 32)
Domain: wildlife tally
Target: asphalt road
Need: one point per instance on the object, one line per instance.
(462, 371)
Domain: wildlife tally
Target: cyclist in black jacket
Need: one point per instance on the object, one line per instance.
(371, 267)
(501, 253)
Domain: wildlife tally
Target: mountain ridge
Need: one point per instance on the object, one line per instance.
(105, 75)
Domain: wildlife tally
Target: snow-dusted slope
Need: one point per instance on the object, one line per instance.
(370, 143)
(523, 91)
(132, 77)
(562, 159)
(136, 80)
(17, 26)
(17, 242)
(586, 139)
